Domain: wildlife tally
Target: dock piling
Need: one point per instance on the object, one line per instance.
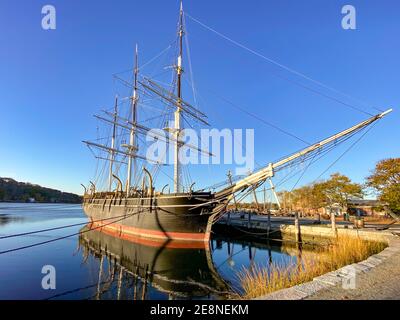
(268, 212)
(297, 227)
(333, 223)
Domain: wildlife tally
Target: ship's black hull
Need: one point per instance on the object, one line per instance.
(182, 217)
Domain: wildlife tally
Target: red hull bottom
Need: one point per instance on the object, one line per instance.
(153, 237)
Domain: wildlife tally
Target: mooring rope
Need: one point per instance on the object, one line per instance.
(55, 228)
(63, 237)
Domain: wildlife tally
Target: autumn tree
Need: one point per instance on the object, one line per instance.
(308, 198)
(301, 198)
(385, 179)
(339, 189)
(285, 198)
(317, 197)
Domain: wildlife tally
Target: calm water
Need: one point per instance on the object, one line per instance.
(94, 265)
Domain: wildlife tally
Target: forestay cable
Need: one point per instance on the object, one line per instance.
(286, 68)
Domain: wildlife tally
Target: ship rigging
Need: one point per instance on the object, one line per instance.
(185, 214)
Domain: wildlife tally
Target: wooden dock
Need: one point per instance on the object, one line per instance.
(247, 220)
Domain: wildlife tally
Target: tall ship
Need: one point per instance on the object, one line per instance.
(130, 203)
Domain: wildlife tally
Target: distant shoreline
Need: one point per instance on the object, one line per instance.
(25, 192)
(38, 202)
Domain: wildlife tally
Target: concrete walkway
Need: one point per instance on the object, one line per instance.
(379, 283)
(375, 278)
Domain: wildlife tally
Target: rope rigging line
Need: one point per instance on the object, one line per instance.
(303, 172)
(322, 154)
(108, 137)
(95, 175)
(220, 117)
(345, 152)
(190, 62)
(63, 237)
(244, 110)
(329, 146)
(289, 165)
(285, 68)
(285, 179)
(312, 156)
(149, 61)
(55, 228)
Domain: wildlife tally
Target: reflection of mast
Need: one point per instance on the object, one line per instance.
(132, 145)
(180, 272)
(144, 284)
(135, 281)
(100, 277)
(177, 123)
(121, 274)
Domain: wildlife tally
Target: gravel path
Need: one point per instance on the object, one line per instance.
(380, 283)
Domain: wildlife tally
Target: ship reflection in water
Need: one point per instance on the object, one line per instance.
(133, 267)
(142, 269)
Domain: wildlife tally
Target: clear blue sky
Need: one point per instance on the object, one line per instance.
(51, 82)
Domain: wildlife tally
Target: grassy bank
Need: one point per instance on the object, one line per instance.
(345, 250)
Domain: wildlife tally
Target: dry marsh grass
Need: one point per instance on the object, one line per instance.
(344, 250)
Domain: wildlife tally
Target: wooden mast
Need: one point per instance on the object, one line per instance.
(177, 114)
(132, 145)
(112, 153)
